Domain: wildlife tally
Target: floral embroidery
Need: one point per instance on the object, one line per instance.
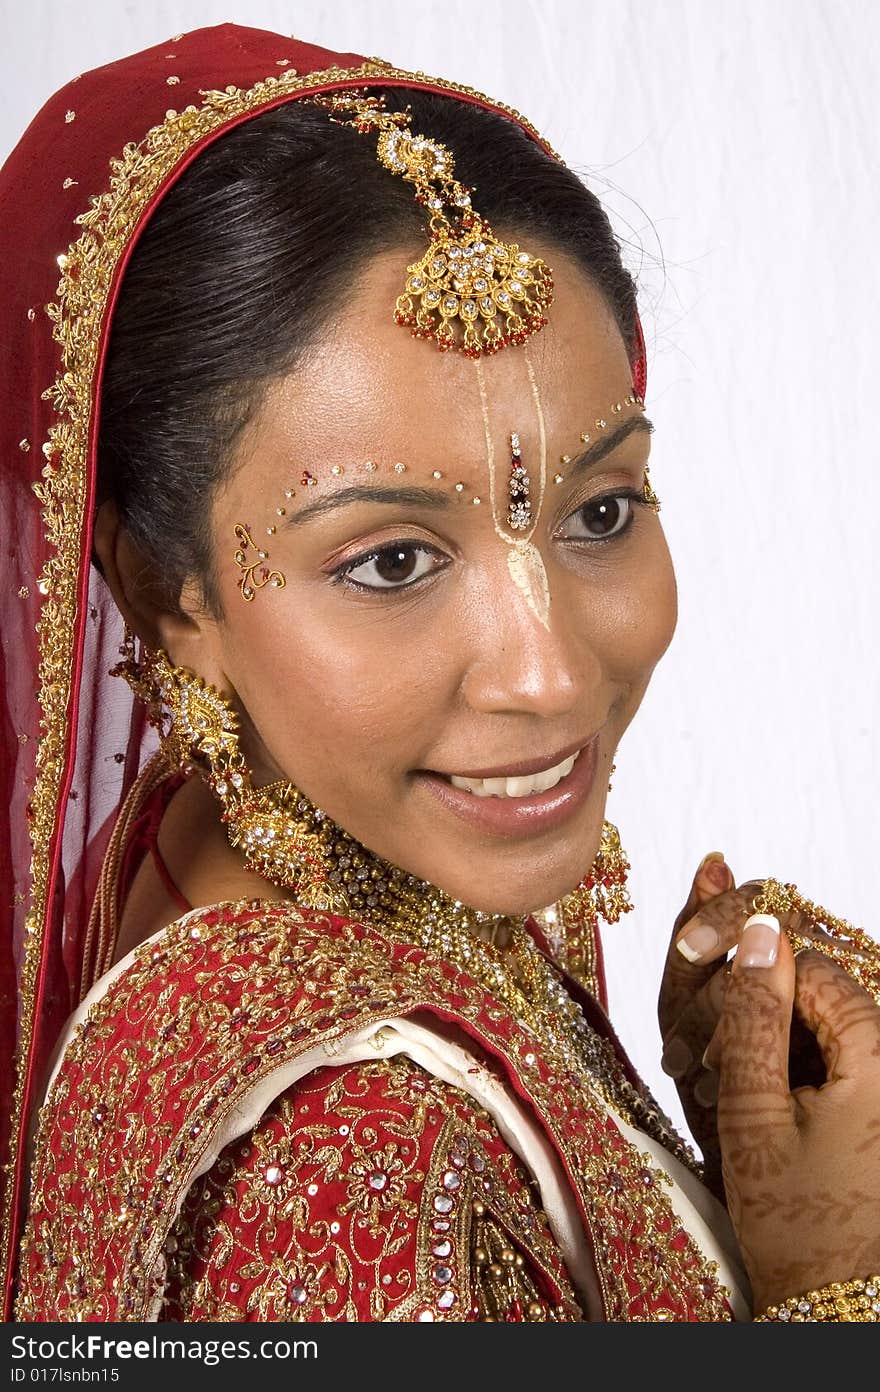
(215, 1008)
(375, 1183)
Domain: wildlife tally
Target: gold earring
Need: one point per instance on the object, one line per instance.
(650, 496)
(198, 728)
(602, 893)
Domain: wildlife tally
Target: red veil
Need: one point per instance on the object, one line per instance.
(74, 197)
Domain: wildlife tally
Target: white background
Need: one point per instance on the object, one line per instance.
(735, 146)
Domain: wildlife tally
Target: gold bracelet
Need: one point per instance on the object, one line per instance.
(851, 1302)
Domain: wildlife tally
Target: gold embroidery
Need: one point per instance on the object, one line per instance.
(201, 1018)
(285, 1259)
(504, 1286)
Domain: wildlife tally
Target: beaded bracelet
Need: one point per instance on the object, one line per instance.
(847, 1301)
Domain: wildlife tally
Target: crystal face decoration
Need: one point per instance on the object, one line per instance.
(519, 512)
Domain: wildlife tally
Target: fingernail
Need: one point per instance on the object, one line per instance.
(697, 942)
(706, 1089)
(712, 856)
(759, 944)
(718, 875)
(677, 1058)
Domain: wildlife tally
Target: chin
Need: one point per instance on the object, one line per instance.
(532, 898)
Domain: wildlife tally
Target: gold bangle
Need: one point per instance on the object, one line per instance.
(851, 1302)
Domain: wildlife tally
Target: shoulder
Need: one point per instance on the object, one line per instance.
(179, 1058)
(372, 1191)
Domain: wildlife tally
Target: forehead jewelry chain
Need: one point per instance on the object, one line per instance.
(469, 291)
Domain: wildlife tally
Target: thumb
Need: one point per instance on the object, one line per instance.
(756, 1111)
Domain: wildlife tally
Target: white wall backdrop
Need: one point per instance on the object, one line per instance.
(735, 144)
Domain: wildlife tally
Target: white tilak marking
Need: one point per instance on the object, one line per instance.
(524, 561)
(526, 566)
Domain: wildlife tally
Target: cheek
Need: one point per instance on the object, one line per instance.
(371, 688)
(634, 613)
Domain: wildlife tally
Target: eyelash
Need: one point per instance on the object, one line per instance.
(340, 576)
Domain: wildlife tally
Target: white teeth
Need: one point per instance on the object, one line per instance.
(516, 787)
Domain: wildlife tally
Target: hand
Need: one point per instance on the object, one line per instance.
(800, 1162)
(691, 997)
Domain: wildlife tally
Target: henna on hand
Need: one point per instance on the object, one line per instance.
(800, 1164)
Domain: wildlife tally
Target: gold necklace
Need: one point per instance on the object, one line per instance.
(414, 911)
(293, 843)
(851, 947)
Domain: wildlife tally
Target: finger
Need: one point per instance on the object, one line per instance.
(684, 1045)
(706, 1089)
(842, 1015)
(712, 1052)
(681, 977)
(756, 1111)
(714, 929)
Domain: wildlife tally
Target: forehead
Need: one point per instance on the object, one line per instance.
(368, 386)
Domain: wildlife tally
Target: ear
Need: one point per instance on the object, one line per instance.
(188, 633)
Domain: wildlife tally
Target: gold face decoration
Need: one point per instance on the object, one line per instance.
(526, 566)
(252, 562)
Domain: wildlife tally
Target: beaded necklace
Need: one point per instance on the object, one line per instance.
(520, 976)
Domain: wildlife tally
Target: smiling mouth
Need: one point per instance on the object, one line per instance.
(515, 786)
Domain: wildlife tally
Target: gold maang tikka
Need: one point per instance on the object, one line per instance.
(469, 290)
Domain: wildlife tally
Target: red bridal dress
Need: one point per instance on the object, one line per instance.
(263, 1112)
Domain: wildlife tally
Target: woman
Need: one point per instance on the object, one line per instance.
(331, 1056)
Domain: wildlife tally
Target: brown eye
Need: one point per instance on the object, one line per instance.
(606, 515)
(393, 567)
(604, 518)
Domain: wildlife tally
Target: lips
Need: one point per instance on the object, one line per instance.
(521, 769)
(518, 817)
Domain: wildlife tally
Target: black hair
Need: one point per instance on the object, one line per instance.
(248, 256)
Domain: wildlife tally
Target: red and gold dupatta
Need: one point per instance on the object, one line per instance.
(74, 196)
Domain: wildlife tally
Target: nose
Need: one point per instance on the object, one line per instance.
(515, 662)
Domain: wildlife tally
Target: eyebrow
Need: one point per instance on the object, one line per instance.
(439, 498)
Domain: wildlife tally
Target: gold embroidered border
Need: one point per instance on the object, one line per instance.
(88, 271)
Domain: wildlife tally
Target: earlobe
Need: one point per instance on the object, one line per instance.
(190, 636)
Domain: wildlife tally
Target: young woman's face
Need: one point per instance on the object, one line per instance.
(401, 649)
